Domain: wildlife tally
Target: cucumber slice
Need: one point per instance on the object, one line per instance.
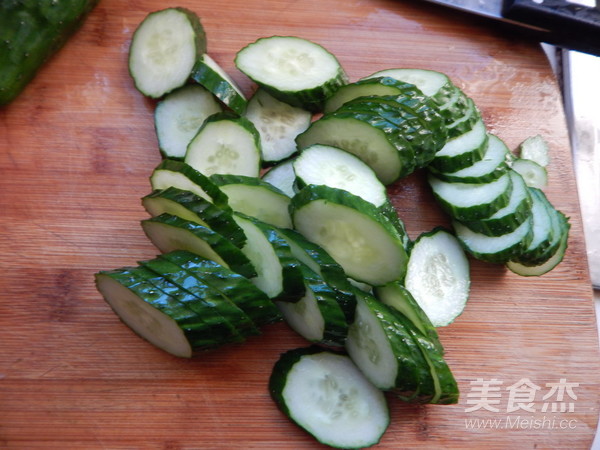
(325, 394)
(152, 314)
(172, 173)
(495, 249)
(223, 307)
(365, 88)
(534, 175)
(398, 297)
(225, 144)
(320, 262)
(371, 140)
(456, 107)
(466, 122)
(169, 233)
(164, 49)
(255, 198)
(535, 148)
(433, 84)
(507, 219)
(271, 257)
(471, 201)
(352, 231)
(179, 116)
(317, 316)
(462, 151)
(551, 261)
(189, 206)
(239, 289)
(383, 349)
(438, 276)
(331, 166)
(282, 177)
(278, 124)
(491, 167)
(210, 75)
(293, 70)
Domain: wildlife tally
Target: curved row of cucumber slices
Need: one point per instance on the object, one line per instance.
(314, 240)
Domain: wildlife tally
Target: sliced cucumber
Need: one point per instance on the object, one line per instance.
(278, 124)
(293, 70)
(164, 49)
(495, 249)
(256, 198)
(179, 116)
(152, 314)
(169, 233)
(492, 166)
(208, 73)
(386, 353)
(363, 88)
(282, 176)
(433, 84)
(371, 139)
(507, 219)
(317, 316)
(535, 148)
(189, 206)
(438, 276)
(331, 166)
(534, 175)
(462, 151)
(398, 297)
(172, 173)
(352, 231)
(466, 122)
(226, 311)
(325, 394)
(472, 201)
(239, 289)
(225, 144)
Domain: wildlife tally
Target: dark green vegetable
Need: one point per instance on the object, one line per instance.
(31, 31)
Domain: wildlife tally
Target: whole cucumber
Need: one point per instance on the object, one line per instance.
(31, 31)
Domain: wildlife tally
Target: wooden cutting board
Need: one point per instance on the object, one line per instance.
(76, 150)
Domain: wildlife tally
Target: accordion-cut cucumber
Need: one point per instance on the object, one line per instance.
(325, 394)
(228, 312)
(255, 197)
(433, 84)
(31, 32)
(172, 173)
(317, 316)
(278, 124)
(169, 233)
(179, 116)
(331, 166)
(438, 276)
(237, 288)
(353, 231)
(209, 74)
(225, 144)
(189, 206)
(471, 201)
(164, 49)
(152, 314)
(293, 70)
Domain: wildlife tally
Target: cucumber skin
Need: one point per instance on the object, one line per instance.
(30, 35)
(238, 288)
(217, 219)
(218, 197)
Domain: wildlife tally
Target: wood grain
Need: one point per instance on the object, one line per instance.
(76, 150)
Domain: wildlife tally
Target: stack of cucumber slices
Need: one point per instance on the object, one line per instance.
(264, 211)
